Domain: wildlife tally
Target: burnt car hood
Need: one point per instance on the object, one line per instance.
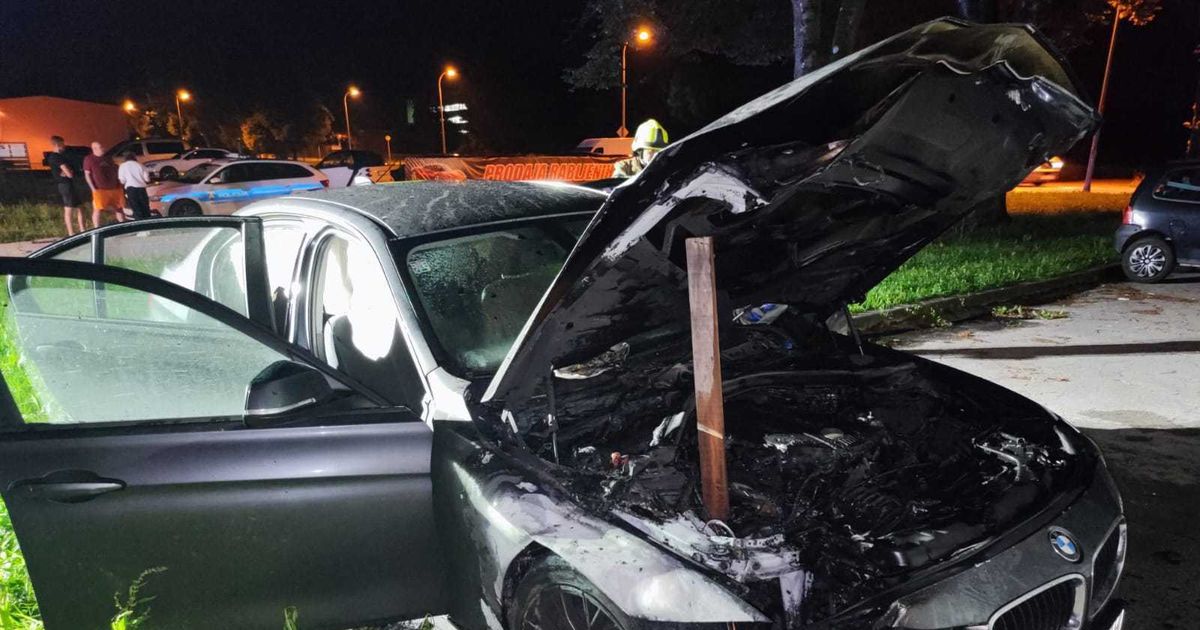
(814, 192)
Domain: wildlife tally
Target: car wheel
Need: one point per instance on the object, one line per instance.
(553, 596)
(168, 172)
(185, 208)
(1148, 260)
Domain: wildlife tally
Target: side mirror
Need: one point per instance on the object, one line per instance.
(285, 386)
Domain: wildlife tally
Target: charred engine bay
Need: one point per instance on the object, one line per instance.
(855, 470)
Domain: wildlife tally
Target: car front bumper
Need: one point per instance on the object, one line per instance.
(1030, 572)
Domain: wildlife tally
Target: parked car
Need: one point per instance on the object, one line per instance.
(148, 149)
(1160, 228)
(352, 167)
(223, 187)
(476, 398)
(1048, 171)
(171, 167)
(605, 146)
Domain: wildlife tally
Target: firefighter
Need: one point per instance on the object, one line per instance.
(650, 138)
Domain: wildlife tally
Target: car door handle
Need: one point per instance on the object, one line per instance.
(67, 487)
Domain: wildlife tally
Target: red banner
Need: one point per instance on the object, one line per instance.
(569, 168)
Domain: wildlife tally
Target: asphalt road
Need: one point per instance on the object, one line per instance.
(1124, 364)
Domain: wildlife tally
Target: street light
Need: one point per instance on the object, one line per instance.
(352, 91)
(450, 72)
(388, 138)
(128, 106)
(641, 36)
(181, 96)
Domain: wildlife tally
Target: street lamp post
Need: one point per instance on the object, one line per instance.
(352, 91)
(181, 96)
(388, 138)
(642, 36)
(1112, 45)
(451, 73)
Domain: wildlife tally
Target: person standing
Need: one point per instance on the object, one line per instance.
(101, 175)
(648, 140)
(64, 180)
(135, 179)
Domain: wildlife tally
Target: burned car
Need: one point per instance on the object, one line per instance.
(478, 398)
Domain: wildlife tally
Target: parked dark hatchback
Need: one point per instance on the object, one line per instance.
(1161, 226)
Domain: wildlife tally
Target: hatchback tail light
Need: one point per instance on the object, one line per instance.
(325, 183)
(1127, 215)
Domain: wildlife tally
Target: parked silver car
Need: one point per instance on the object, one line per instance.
(477, 398)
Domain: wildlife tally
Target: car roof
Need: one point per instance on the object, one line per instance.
(421, 207)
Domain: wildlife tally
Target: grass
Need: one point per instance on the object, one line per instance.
(31, 221)
(1029, 247)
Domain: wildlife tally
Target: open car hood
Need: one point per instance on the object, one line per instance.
(814, 192)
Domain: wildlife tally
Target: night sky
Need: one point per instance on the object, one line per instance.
(236, 56)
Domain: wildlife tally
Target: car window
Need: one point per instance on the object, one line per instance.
(477, 291)
(208, 260)
(356, 326)
(171, 148)
(208, 154)
(197, 173)
(1180, 185)
(337, 158)
(84, 352)
(234, 174)
(291, 171)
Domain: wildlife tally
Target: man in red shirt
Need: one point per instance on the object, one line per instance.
(107, 194)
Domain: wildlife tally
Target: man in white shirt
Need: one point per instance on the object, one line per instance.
(135, 179)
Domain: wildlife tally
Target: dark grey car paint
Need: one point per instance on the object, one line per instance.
(1175, 220)
(328, 512)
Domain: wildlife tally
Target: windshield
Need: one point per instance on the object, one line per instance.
(196, 174)
(477, 290)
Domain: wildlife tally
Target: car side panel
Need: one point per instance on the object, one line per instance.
(499, 513)
(214, 517)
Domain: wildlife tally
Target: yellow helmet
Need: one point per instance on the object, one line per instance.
(650, 135)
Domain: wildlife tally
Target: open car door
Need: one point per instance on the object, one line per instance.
(221, 258)
(195, 452)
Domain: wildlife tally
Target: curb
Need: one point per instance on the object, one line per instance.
(955, 308)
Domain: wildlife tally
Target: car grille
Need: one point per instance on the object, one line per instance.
(1106, 567)
(1051, 609)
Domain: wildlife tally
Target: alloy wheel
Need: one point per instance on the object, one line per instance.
(1147, 261)
(562, 607)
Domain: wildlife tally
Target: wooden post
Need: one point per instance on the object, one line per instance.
(706, 361)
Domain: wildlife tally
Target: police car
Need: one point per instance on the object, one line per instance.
(223, 187)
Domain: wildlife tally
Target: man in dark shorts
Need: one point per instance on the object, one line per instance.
(64, 180)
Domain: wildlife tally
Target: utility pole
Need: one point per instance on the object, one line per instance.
(1112, 46)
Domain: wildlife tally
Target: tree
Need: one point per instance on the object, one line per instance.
(261, 134)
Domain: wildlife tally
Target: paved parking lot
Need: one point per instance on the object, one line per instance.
(1124, 364)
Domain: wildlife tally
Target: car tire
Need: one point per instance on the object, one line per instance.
(185, 208)
(168, 172)
(553, 596)
(1148, 260)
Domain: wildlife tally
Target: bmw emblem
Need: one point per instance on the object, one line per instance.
(1064, 544)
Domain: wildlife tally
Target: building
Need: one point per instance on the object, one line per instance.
(31, 120)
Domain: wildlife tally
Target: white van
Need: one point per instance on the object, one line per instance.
(149, 148)
(605, 146)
